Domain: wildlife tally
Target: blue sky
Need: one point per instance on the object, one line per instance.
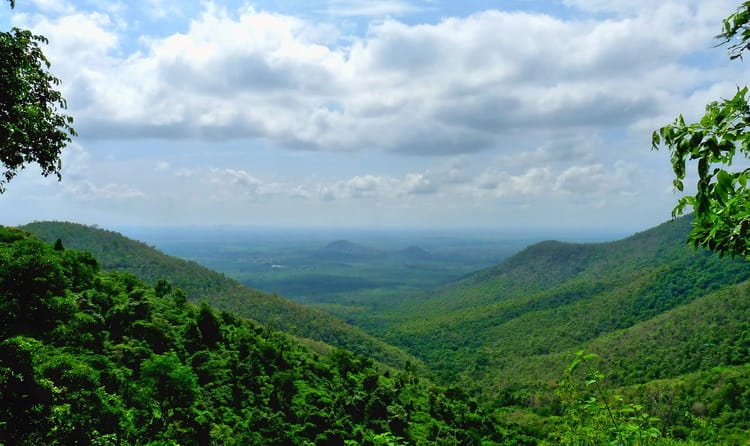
(498, 114)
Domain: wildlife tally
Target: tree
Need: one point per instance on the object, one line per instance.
(721, 203)
(32, 129)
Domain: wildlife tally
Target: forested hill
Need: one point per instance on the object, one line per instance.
(118, 253)
(554, 298)
(669, 323)
(95, 358)
(550, 263)
(90, 357)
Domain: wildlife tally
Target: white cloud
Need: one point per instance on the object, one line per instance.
(82, 181)
(184, 172)
(75, 162)
(76, 38)
(453, 171)
(367, 185)
(459, 86)
(417, 183)
(515, 108)
(232, 184)
(500, 184)
(596, 180)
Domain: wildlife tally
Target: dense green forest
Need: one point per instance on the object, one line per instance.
(554, 298)
(90, 357)
(118, 253)
(670, 325)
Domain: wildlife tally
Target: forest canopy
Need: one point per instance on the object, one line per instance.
(33, 128)
(721, 203)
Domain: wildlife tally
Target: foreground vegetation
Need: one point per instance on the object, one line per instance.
(89, 357)
(667, 322)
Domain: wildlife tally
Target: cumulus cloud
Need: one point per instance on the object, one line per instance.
(233, 184)
(161, 166)
(587, 184)
(81, 181)
(501, 184)
(370, 186)
(597, 180)
(452, 171)
(75, 162)
(461, 85)
(417, 183)
(500, 108)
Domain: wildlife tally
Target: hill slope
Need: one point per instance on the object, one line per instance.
(118, 253)
(553, 298)
(102, 359)
(671, 325)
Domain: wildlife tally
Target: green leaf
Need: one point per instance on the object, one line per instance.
(724, 179)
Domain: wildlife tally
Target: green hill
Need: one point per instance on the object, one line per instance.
(118, 253)
(671, 326)
(666, 321)
(711, 331)
(95, 358)
(554, 298)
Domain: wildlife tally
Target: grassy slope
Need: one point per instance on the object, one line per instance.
(116, 252)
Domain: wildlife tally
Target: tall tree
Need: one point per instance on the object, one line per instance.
(721, 203)
(32, 127)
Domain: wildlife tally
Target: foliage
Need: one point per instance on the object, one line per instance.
(32, 128)
(655, 311)
(721, 203)
(591, 417)
(736, 30)
(513, 324)
(650, 306)
(90, 357)
(711, 406)
(118, 253)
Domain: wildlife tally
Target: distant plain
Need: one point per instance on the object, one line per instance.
(351, 273)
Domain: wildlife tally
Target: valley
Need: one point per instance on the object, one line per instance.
(660, 316)
(389, 223)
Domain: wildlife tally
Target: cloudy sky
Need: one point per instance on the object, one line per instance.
(424, 113)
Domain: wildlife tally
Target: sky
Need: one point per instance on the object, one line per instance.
(349, 113)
